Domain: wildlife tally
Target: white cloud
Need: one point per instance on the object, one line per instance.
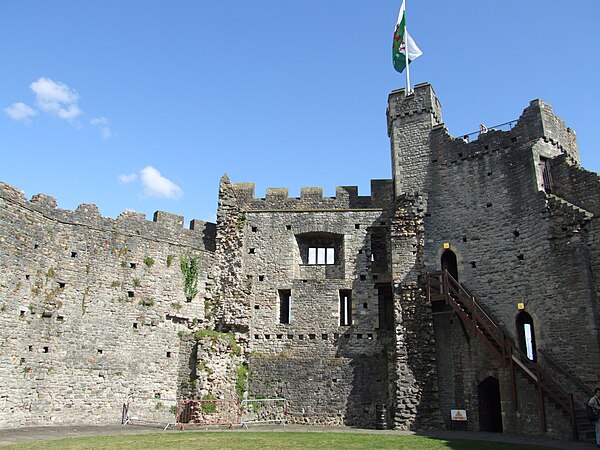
(56, 98)
(155, 185)
(20, 111)
(125, 179)
(102, 123)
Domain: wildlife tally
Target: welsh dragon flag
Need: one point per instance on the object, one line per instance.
(401, 38)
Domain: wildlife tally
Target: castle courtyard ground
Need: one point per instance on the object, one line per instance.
(29, 434)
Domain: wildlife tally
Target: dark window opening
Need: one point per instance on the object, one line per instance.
(132, 265)
(285, 306)
(168, 354)
(385, 302)
(546, 175)
(46, 349)
(251, 251)
(130, 294)
(261, 278)
(345, 307)
(379, 257)
(254, 229)
(450, 264)
(73, 254)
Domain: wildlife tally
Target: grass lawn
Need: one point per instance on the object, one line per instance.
(262, 440)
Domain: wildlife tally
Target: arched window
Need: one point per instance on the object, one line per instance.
(526, 335)
(449, 263)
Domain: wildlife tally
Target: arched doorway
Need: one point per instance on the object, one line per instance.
(449, 263)
(525, 335)
(490, 410)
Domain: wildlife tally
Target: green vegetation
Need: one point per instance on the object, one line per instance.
(121, 252)
(170, 259)
(243, 374)
(229, 337)
(149, 261)
(136, 282)
(158, 406)
(176, 306)
(209, 407)
(275, 441)
(189, 269)
(115, 284)
(241, 220)
(51, 273)
(147, 302)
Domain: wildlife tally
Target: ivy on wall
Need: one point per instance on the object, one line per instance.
(189, 268)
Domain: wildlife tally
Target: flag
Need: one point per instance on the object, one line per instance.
(401, 38)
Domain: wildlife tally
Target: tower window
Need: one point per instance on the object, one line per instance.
(345, 307)
(320, 248)
(285, 306)
(320, 255)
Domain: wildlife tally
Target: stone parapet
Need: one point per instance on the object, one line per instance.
(311, 198)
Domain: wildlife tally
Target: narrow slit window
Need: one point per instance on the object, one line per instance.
(345, 308)
(285, 306)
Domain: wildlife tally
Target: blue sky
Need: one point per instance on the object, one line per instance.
(145, 105)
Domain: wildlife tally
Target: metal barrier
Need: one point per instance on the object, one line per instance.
(151, 410)
(208, 412)
(163, 412)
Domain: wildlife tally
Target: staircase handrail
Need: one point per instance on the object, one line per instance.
(506, 347)
(580, 384)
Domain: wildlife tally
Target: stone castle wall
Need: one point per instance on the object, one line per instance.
(92, 309)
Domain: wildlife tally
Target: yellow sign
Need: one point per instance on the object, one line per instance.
(458, 414)
(520, 306)
(446, 245)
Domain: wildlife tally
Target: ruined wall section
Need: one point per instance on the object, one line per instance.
(92, 309)
(329, 373)
(414, 387)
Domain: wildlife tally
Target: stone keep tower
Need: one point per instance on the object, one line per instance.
(410, 121)
(512, 217)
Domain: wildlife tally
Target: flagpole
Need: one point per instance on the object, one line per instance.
(406, 50)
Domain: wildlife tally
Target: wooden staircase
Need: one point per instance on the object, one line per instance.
(442, 287)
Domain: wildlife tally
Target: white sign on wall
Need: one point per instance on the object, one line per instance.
(458, 415)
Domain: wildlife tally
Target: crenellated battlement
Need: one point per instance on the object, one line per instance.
(537, 122)
(311, 198)
(164, 226)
